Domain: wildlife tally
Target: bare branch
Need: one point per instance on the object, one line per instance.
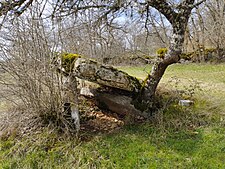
(17, 6)
(165, 8)
(78, 8)
(21, 9)
(198, 3)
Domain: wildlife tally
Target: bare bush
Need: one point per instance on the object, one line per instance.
(29, 80)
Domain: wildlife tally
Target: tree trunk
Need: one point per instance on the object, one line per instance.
(179, 21)
(145, 100)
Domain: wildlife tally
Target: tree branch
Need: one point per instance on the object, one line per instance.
(21, 9)
(163, 7)
(198, 3)
(7, 6)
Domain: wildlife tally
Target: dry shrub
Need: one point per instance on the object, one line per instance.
(27, 77)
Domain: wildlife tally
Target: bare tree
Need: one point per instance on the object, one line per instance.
(206, 29)
(215, 24)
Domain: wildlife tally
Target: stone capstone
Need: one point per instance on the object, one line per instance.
(105, 75)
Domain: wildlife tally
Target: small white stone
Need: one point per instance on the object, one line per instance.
(86, 92)
(75, 116)
(186, 102)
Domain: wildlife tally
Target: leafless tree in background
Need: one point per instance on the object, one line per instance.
(207, 29)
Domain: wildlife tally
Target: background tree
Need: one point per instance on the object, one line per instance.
(206, 30)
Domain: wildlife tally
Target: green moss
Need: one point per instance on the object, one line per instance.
(161, 52)
(140, 103)
(206, 52)
(145, 81)
(186, 56)
(68, 60)
(209, 51)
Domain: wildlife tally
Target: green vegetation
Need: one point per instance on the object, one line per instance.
(208, 53)
(161, 52)
(176, 137)
(68, 60)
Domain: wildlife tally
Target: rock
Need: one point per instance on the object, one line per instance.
(182, 61)
(105, 75)
(85, 91)
(186, 102)
(119, 104)
(118, 87)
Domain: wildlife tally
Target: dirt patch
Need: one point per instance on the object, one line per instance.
(93, 121)
(101, 123)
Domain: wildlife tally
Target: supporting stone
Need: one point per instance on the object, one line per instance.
(71, 101)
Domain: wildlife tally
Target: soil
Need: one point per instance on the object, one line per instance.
(97, 120)
(93, 121)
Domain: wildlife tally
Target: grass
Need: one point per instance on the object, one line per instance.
(178, 137)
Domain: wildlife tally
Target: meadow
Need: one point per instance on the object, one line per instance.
(176, 137)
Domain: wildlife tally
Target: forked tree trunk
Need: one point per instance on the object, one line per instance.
(145, 100)
(179, 21)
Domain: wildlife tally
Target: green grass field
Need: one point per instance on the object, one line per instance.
(177, 137)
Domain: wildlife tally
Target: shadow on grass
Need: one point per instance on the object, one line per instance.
(182, 141)
(145, 145)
